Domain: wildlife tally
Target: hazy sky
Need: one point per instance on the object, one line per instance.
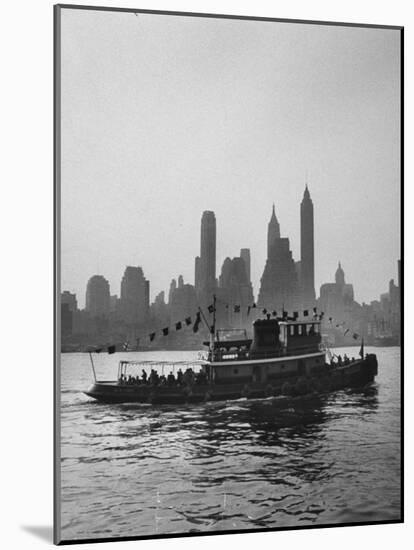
(164, 117)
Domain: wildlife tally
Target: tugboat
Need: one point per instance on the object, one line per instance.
(285, 357)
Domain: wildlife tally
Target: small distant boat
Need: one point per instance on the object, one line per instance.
(284, 357)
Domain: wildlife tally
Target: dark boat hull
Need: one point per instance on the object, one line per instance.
(329, 378)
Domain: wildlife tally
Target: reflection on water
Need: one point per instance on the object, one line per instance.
(139, 470)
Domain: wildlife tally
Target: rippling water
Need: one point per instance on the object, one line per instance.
(135, 470)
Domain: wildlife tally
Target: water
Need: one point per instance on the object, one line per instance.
(135, 470)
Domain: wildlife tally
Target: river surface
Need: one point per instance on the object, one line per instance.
(135, 470)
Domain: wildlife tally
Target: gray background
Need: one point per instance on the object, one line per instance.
(164, 117)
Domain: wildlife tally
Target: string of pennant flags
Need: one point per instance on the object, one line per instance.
(196, 320)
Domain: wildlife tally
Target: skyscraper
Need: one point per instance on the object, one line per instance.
(182, 300)
(205, 264)
(97, 296)
(70, 299)
(245, 255)
(273, 232)
(134, 301)
(235, 290)
(279, 286)
(307, 262)
(337, 299)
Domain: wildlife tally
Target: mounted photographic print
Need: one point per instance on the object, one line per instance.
(228, 280)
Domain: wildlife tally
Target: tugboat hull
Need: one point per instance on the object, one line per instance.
(328, 378)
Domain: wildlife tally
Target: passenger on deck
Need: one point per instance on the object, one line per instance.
(180, 377)
(171, 379)
(163, 380)
(339, 360)
(189, 376)
(154, 378)
(144, 376)
(122, 379)
(346, 359)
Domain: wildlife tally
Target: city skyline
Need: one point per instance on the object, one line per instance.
(153, 137)
(217, 266)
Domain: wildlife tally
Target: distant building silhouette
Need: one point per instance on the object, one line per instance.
(173, 288)
(69, 310)
(159, 311)
(182, 301)
(134, 300)
(307, 261)
(69, 299)
(273, 232)
(235, 294)
(205, 264)
(279, 285)
(97, 302)
(245, 255)
(337, 299)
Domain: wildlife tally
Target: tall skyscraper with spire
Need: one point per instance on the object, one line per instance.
(279, 286)
(205, 264)
(307, 258)
(273, 231)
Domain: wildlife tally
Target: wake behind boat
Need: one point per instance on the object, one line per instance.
(283, 358)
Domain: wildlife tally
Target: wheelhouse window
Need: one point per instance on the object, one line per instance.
(283, 335)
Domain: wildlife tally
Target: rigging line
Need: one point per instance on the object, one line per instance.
(204, 318)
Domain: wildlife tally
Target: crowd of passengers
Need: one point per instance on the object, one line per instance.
(339, 361)
(187, 378)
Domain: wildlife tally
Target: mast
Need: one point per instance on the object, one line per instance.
(213, 326)
(93, 366)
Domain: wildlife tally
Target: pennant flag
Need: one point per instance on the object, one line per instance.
(361, 351)
(197, 322)
(111, 349)
(152, 336)
(264, 311)
(165, 331)
(295, 314)
(305, 313)
(274, 313)
(212, 329)
(178, 325)
(188, 321)
(248, 310)
(236, 309)
(314, 310)
(346, 332)
(210, 309)
(355, 336)
(254, 305)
